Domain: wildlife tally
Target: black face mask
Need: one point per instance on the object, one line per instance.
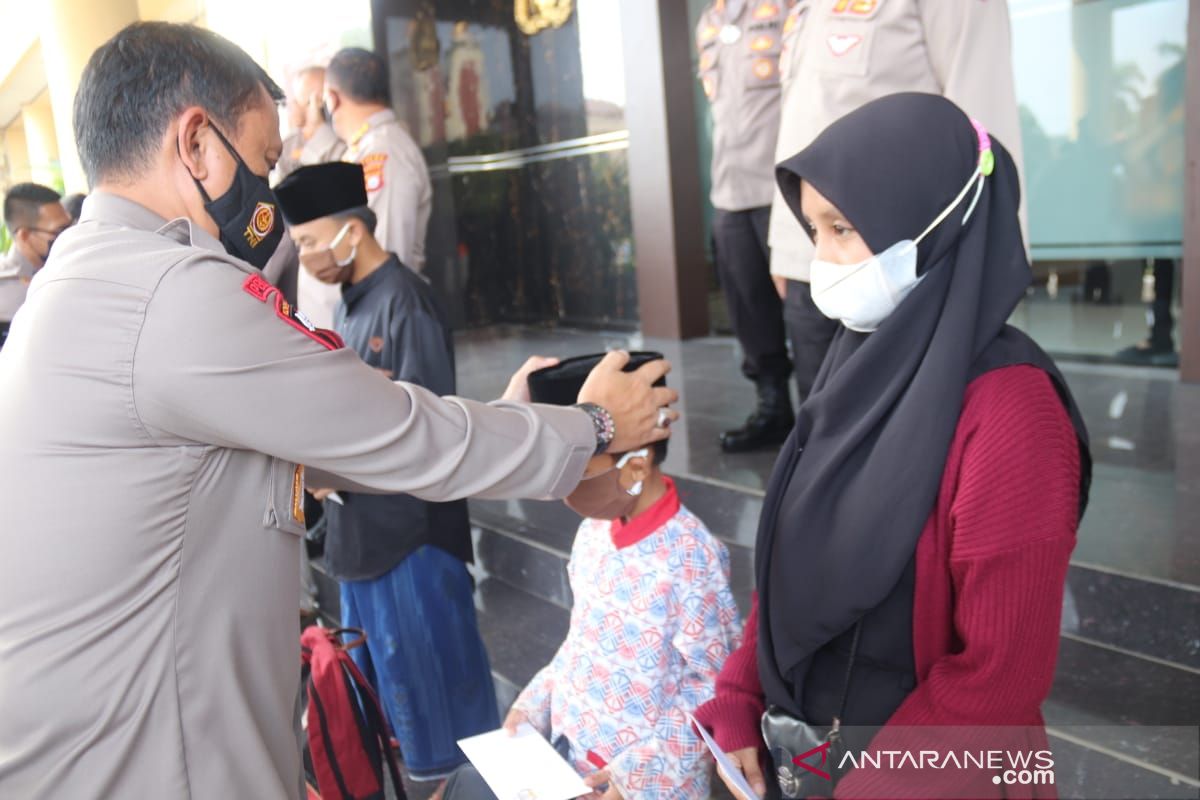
(247, 214)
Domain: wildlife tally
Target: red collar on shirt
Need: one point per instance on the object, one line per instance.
(629, 533)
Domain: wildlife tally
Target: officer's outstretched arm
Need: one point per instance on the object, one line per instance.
(222, 360)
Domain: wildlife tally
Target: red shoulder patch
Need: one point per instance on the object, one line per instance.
(260, 289)
(373, 171)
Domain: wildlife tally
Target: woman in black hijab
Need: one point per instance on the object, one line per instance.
(916, 531)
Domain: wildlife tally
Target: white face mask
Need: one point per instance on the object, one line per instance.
(863, 295)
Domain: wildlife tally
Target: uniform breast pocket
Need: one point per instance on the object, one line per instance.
(285, 498)
(842, 50)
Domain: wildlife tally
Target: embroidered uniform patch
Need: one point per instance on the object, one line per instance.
(373, 171)
(864, 9)
(840, 44)
(298, 494)
(259, 288)
(762, 43)
(262, 222)
(766, 11)
(764, 69)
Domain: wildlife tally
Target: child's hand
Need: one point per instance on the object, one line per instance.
(514, 720)
(599, 779)
(518, 385)
(747, 760)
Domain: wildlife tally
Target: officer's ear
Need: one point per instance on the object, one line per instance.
(331, 101)
(191, 142)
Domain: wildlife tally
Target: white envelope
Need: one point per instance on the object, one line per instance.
(522, 767)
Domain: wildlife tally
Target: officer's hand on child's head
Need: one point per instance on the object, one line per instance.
(632, 399)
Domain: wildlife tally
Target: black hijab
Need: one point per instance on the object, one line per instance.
(857, 480)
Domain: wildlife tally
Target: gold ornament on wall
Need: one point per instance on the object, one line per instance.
(533, 16)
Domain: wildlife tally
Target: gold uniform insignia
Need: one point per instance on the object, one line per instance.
(262, 222)
(298, 494)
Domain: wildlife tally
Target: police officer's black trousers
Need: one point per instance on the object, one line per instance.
(755, 310)
(810, 332)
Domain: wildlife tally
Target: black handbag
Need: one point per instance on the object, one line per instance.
(792, 742)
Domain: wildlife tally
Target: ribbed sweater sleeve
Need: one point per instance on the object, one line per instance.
(1012, 521)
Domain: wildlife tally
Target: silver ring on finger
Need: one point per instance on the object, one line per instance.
(664, 418)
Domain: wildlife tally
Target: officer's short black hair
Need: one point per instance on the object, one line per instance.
(360, 75)
(23, 204)
(363, 214)
(141, 78)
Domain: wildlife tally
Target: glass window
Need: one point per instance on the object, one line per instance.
(1100, 84)
(523, 128)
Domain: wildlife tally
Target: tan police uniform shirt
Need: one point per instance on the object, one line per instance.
(738, 49)
(398, 187)
(158, 400)
(15, 274)
(321, 148)
(841, 54)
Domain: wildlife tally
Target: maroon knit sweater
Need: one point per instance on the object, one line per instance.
(991, 563)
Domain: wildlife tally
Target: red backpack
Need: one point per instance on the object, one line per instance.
(348, 734)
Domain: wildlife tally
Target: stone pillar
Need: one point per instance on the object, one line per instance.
(664, 174)
(41, 142)
(1189, 319)
(17, 153)
(70, 32)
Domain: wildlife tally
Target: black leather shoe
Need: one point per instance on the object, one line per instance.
(761, 430)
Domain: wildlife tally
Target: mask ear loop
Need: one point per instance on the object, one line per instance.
(636, 489)
(974, 200)
(984, 168)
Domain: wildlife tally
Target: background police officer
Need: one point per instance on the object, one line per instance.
(739, 44)
(398, 188)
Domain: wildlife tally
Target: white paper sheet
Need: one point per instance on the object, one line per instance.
(727, 766)
(522, 767)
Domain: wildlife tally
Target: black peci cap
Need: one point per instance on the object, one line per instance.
(321, 190)
(559, 385)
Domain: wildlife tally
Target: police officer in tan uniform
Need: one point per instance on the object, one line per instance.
(841, 54)
(398, 188)
(35, 217)
(312, 140)
(739, 42)
(160, 402)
